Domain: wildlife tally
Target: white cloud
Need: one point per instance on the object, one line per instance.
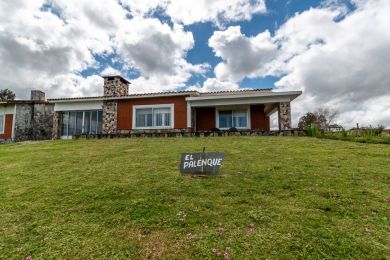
(152, 47)
(43, 44)
(242, 56)
(109, 71)
(213, 84)
(217, 11)
(158, 52)
(38, 48)
(189, 12)
(338, 59)
(348, 70)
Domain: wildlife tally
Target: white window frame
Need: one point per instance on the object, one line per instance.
(3, 126)
(172, 123)
(248, 116)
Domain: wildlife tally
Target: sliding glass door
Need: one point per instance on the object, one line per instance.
(81, 122)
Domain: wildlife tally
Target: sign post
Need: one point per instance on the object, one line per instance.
(201, 163)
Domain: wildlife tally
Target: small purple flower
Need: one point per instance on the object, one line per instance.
(226, 255)
(28, 257)
(45, 238)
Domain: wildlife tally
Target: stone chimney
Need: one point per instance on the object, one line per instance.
(37, 95)
(115, 86)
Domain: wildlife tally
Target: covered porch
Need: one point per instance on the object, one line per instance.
(239, 111)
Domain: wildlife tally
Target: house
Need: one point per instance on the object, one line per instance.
(22, 120)
(118, 112)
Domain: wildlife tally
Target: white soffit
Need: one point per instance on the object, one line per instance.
(258, 98)
(78, 106)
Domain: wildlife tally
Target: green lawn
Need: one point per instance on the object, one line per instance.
(275, 197)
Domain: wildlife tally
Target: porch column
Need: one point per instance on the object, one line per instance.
(109, 117)
(284, 116)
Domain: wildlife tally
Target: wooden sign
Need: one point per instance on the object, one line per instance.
(201, 163)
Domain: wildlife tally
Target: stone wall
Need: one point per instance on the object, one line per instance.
(188, 133)
(33, 121)
(115, 86)
(109, 117)
(284, 116)
(56, 125)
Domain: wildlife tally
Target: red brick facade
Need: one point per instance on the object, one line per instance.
(125, 110)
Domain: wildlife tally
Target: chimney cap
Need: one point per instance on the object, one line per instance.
(116, 76)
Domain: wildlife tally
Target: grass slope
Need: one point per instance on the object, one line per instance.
(276, 197)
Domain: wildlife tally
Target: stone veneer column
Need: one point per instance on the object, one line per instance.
(284, 115)
(56, 125)
(114, 86)
(109, 117)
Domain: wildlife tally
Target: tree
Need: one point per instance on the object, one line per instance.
(6, 95)
(308, 119)
(325, 117)
(322, 118)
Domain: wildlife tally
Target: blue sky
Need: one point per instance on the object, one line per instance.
(335, 51)
(278, 12)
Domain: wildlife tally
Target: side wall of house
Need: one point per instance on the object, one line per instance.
(125, 110)
(33, 121)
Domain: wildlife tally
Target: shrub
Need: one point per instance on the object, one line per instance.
(313, 131)
(344, 133)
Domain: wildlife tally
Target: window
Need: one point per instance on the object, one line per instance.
(2, 124)
(144, 117)
(233, 118)
(99, 122)
(79, 123)
(75, 123)
(158, 116)
(65, 123)
(87, 122)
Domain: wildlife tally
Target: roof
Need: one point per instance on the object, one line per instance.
(290, 95)
(193, 93)
(13, 102)
(137, 95)
(235, 92)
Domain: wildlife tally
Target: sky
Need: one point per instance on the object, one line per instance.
(335, 51)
